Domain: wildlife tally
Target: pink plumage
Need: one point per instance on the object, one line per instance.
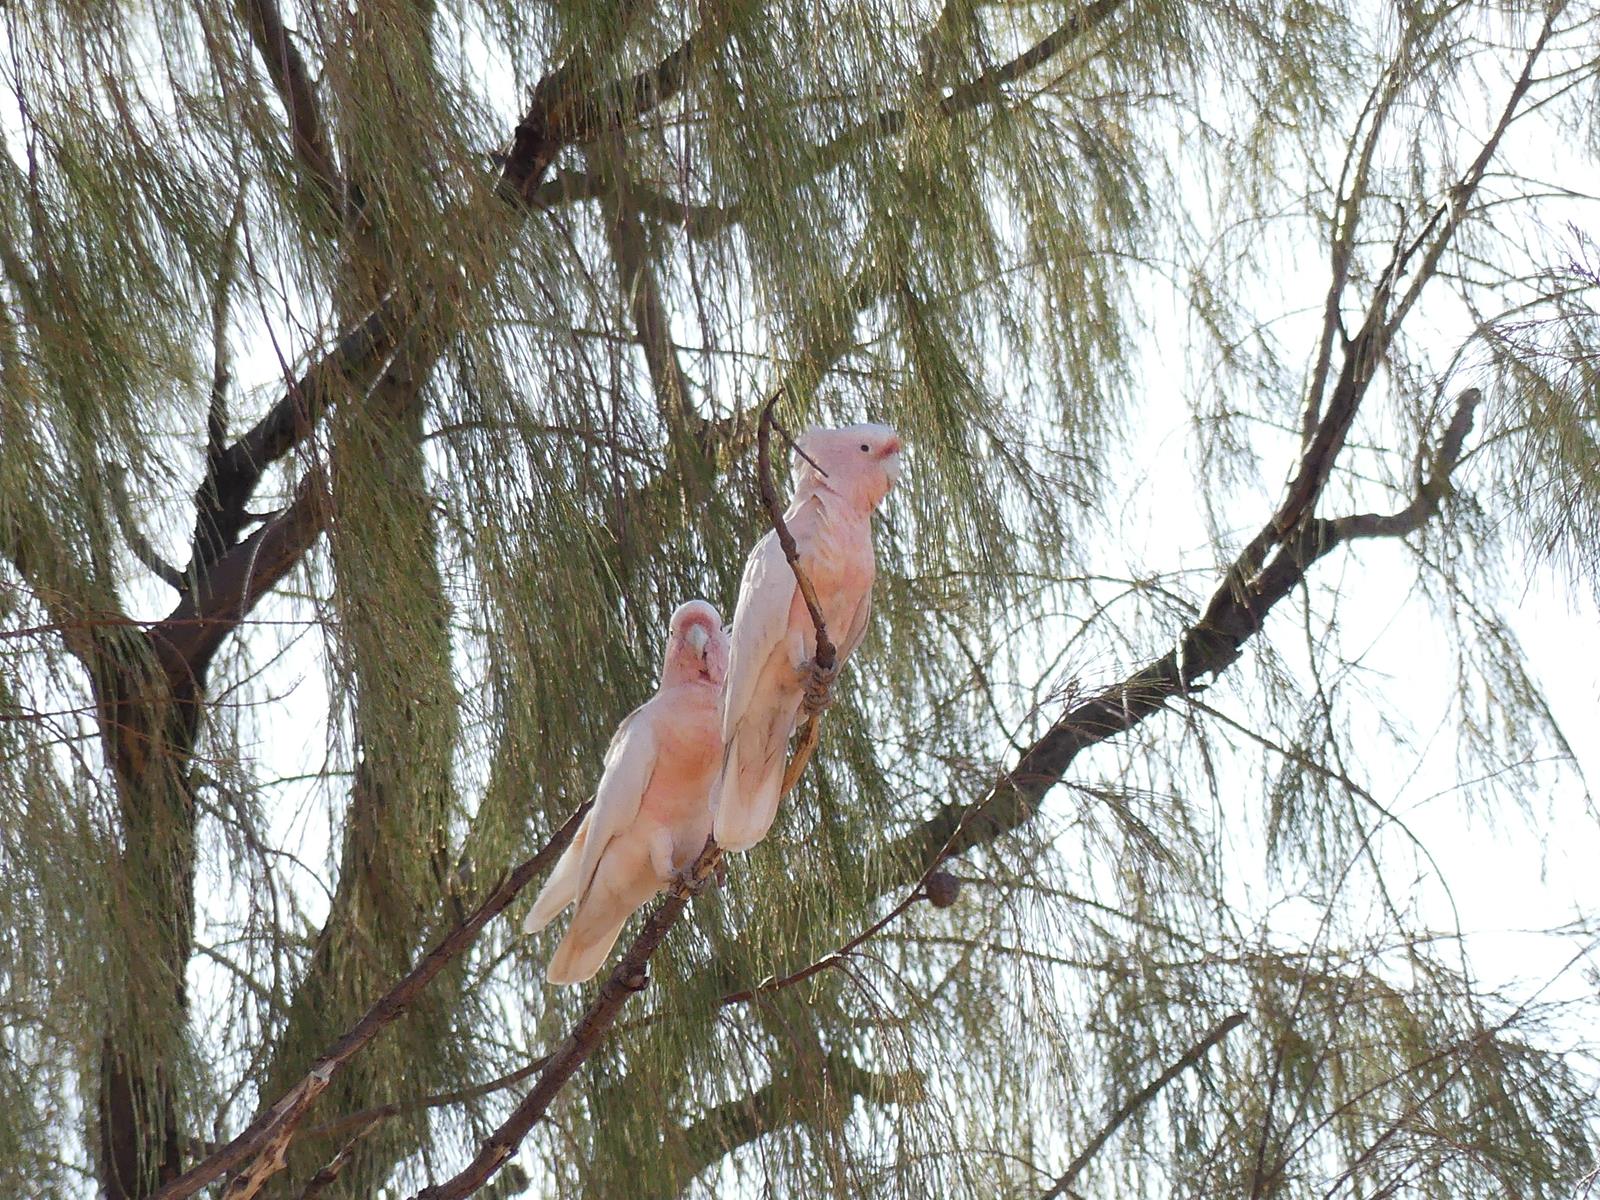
(850, 471)
(651, 810)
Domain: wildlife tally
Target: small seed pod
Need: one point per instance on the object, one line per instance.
(942, 888)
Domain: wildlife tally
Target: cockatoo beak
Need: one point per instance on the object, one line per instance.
(698, 637)
(891, 465)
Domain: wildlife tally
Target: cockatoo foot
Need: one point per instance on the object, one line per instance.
(818, 694)
(685, 883)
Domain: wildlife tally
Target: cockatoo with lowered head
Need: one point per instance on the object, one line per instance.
(651, 813)
(841, 476)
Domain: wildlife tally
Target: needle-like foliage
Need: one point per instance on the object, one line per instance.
(376, 377)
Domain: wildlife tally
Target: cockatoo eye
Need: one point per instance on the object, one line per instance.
(865, 449)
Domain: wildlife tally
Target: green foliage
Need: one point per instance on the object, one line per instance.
(1035, 237)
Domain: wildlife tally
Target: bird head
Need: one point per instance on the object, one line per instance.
(859, 462)
(697, 646)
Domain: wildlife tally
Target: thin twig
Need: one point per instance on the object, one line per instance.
(1137, 1101)
(825, 652)
(824, 658)
(146, 553)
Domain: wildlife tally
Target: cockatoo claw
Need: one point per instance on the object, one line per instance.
(818, 693)
(684, 882)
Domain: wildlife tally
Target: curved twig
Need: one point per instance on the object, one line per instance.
(825, 658)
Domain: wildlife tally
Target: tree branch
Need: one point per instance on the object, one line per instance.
(188, 637)
(562, 114)
(1137, 1101)
(288, 71)
(267, 1138)
(790, 1098)
(1210, 645)
(232, 477)
(702, 222)
(627, 977)
(135, 537)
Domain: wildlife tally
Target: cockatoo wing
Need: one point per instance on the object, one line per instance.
(561, 889)
(630, 761)
(760, 623)
(570, 875)
(857, 629)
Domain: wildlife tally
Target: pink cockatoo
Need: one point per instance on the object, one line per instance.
(651, 812)
(773, 636)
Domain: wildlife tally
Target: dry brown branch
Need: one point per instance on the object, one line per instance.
(288, 72)
(268, 1136)
(824, 658)
(628, 977)
(704, 221)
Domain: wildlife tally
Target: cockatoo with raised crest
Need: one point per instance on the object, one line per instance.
(841, 476)
(651, 813)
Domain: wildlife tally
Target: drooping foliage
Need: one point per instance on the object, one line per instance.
(375, 378)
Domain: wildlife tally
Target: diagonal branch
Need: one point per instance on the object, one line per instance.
(137, 541)
(628, 977)
(1138, 1100)
(232, 477)
(563, 113)
(1210, 645)
(267, 1137)
(702, 222)
(307, 132)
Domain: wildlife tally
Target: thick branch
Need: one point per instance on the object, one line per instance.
(707, 221)
(267, 1137)
(232, 477)
(1137, 1101)
(563, 114)
(188, 637)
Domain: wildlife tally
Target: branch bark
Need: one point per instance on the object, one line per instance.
(268, 1136)
(702, 222)
(307, 131)
(628, 977)
(1234, 614)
